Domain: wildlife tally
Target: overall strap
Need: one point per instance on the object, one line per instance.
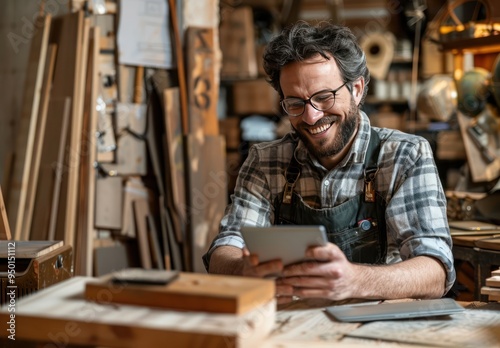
(371, 165)
(292, 172)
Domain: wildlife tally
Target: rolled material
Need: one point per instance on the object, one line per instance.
(379, 51)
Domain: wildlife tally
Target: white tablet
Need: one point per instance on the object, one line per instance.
(395, 310)
(285, 242)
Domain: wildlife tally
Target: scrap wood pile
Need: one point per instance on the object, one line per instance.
(106, 157)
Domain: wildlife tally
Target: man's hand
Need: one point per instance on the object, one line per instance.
(330, 275)
(252, 267)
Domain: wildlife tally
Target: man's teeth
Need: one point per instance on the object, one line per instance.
(320, 129)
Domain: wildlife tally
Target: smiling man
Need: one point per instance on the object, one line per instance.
(376, 191)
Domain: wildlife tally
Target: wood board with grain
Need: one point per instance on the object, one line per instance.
(88, 176)
(192, 292)
(4, 221)
(62, 307)
(28, 126)
(38, 142)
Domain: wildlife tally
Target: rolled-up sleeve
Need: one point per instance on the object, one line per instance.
(416, 214)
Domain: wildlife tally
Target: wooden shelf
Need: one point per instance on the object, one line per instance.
(374, 100)
(479, 45)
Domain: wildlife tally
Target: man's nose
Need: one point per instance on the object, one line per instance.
(311, 115)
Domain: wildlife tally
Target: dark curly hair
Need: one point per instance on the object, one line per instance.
(303, 40)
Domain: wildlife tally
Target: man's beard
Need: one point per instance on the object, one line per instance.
(345, 131)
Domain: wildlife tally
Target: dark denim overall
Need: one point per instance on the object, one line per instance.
(357, 226)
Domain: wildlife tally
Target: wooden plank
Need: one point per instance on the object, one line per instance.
(208, 193)
(154, 243)
(493, 281)
(28, 126)
(48, 165)
(30, 249)
(489, 243)
(68, 229)
(61, 312)
(86, 196)
(180, 67)
(133, 190)
(59, 168)
(69, 34)
(154, 147)
(141, 212)
(38, 143)
(165, 235)
(175, 252)
(108, 203)
(202, 81)
(4, 222)
(174, 152)
(192, 292)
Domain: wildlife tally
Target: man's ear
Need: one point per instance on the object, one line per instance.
(358, 87)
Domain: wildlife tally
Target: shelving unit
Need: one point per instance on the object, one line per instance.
(484, 51)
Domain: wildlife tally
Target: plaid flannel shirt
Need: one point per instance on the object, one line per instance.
(407, 180)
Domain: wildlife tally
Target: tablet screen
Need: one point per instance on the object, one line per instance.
(285, 242)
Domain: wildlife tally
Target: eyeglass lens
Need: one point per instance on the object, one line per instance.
(321, 101)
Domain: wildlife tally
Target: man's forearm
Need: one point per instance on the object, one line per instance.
(420, 277)
(226, 260)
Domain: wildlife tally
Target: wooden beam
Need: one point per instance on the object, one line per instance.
(88, 176)
(180, 67)
(28, 126)
(4, 222)
(38, 143)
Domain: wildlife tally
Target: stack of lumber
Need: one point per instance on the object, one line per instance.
(492, 288)
(124, 163)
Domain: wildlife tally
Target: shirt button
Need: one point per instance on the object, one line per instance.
(327, 182)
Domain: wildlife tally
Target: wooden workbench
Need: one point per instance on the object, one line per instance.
(483, 253)
(61, 316)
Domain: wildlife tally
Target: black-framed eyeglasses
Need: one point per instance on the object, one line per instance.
(321, 101)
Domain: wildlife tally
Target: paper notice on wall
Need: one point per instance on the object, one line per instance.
(143, 34)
